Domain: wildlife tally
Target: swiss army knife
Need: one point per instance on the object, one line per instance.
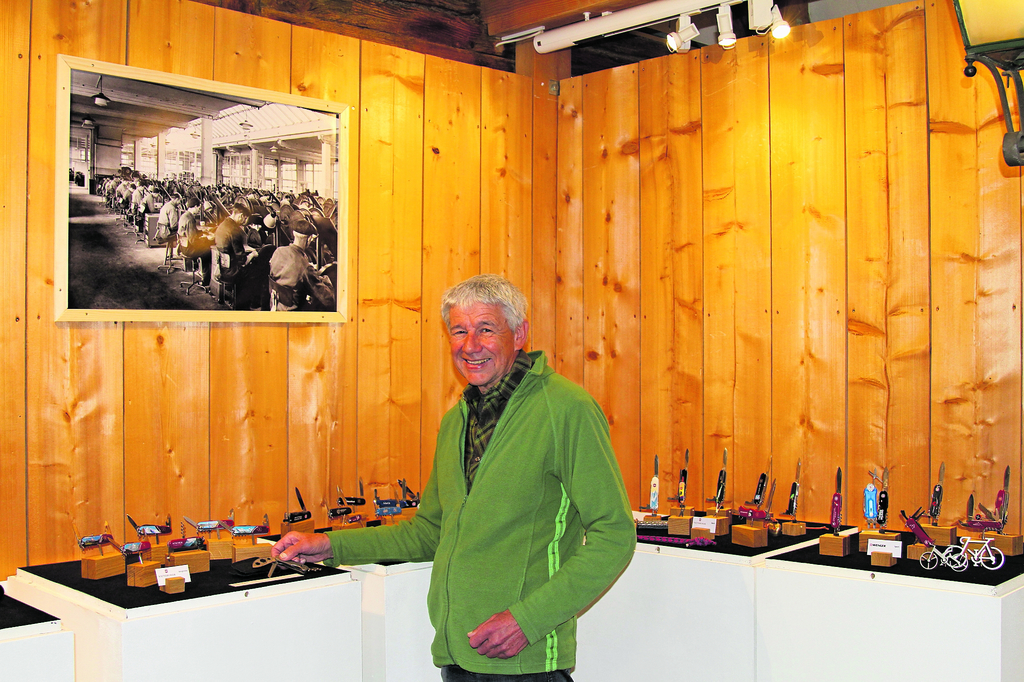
(357, 501)
(871, 501)
(409, 499)
(263, 529)
(794, 493)
(758, 514)
(883, 499)
(995, 521)
(385, 507)
(296, 517)
(210, 526)
(184, 544)
(652, 505)
(762, 483)
(342, 510)
(150, 529)
(681, 494)
(719, 497)
(836, 517)
(935, 507)
(98, 540)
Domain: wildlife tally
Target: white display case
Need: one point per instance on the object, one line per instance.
(396, 628)
(283, 630)
(33, 646)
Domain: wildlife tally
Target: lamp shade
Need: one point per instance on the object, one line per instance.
(991, 25)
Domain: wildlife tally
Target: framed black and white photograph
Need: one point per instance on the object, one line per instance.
(194, 200)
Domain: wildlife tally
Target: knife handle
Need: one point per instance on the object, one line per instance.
(837, 512)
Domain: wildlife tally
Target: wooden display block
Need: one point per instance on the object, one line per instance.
(219, 549)
(1010, 545)
(158, 553)
(749, 535)
(173, 585)
(307, 526)
(884, 559)
(100, 566)
(794, 528)
(679, 525)
(915, 551)
(243, 552)
(142, 574)
(197, 560)
(680, 511)
(723, 522)
(835, 545)
(865, 535)
(702, 533)
(943, 536)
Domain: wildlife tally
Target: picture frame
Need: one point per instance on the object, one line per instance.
(207, 143)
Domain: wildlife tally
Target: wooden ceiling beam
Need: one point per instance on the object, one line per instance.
(450, 29)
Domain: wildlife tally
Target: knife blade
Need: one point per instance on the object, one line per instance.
(357, 501)
(1003, 498)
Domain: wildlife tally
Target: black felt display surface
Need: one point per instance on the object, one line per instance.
(725, 545)
(115, 590)
(15, 614)
(856, 560)
(976, 575)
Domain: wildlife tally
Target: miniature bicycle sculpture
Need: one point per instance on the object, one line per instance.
(983, 553)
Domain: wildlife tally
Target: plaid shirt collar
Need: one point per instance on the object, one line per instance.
(491, 404)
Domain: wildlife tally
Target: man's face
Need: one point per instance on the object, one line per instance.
(483, 346)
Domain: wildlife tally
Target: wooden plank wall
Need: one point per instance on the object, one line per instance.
(848, 303)
(199, 419)
(769, 250)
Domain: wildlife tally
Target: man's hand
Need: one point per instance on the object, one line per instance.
(498, 637)
(303, 547)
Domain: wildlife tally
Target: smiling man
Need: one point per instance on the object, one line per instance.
(523, 471)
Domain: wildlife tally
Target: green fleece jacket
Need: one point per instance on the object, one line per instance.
(547, 479)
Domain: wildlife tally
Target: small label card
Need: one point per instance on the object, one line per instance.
(893, 547)
(705, 522)
(162, 574)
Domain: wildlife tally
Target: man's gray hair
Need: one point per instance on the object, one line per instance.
(490, 290)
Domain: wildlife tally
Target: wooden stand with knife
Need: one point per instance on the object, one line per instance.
(835, 545)
(307, 526)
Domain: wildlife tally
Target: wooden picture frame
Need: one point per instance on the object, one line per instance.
(112, 264)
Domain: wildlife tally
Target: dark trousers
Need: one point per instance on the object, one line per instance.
(453, 673)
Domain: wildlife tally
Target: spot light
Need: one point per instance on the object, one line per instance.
(726, 36)
(679, 39)
(780, 27)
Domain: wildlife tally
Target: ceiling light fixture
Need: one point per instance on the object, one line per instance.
(88, 123)
(100, 99)
(780, 27)
(993, 34)
(759, 13)
(726, 36)
(679, 39)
